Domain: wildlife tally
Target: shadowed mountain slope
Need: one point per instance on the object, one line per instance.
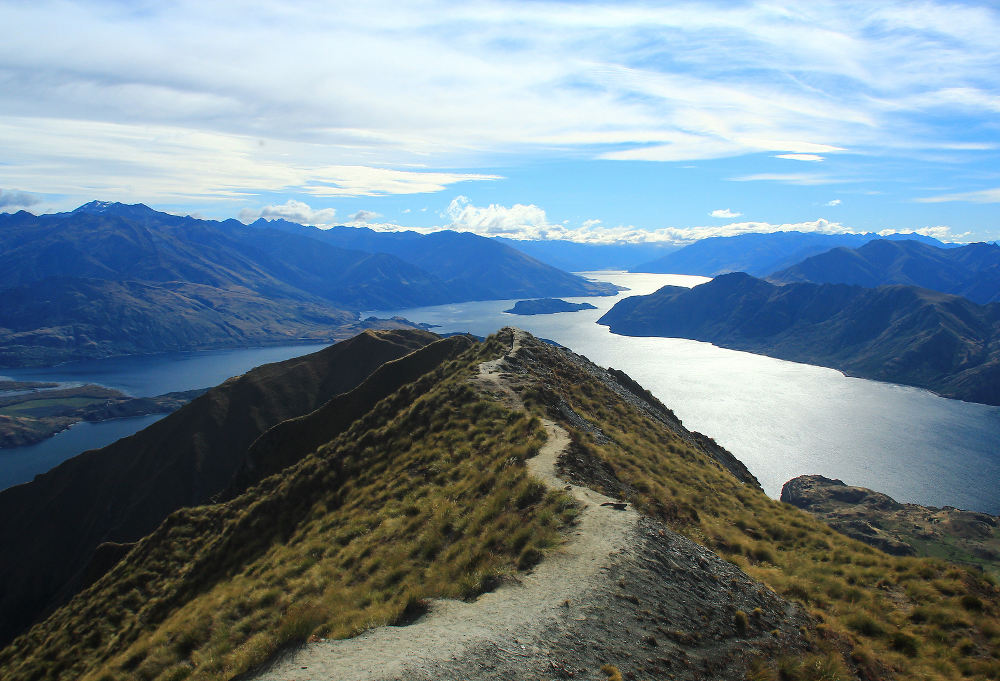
(123, 491)
(110, 279)
(587, 257)
(971, 271)
(473, 267)
(136, 243)
(901, 334)
(757, 254)
(58, 320)
(185, 283)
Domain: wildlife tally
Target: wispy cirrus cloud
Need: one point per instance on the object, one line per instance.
(815, 158)
(139, 94)
(982, 196)
(805, 179)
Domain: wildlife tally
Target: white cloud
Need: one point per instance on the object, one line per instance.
(364, 216)
(724, 213)
(530, 222)
(518, 221)
(169, 163)
(788, 178)
(940, 232)
(801, 157)
(982, 196)
(14, 199)
(293, 211)
(833, 202)
(455, 85)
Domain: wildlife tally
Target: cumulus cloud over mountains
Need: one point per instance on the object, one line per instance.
(14, 199)
(293, 211)
(530, 222)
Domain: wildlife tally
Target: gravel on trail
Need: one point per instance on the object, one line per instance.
(623, 590)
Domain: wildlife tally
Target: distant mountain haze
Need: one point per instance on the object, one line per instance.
(587, 257)
(757, 254)
(971, 271)
(111, 279)
(902, 334)
(473, 267)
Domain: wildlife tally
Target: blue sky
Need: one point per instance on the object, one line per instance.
(590, 121)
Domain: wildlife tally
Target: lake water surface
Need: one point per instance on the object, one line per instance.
(780, 418)
(139, 376)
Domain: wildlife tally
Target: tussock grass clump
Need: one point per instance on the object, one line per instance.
(425, 496)
(881, 615)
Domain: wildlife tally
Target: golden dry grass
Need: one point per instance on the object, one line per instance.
(880, 615)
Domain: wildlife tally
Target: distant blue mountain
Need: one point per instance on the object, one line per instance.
(758, 254)
(902, 334)
(586, 257)
(113, 279)
(473, 267)
(972, 271)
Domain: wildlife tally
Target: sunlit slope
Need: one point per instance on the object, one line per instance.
(426, 494)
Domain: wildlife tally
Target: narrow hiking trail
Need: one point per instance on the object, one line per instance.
(455, 638)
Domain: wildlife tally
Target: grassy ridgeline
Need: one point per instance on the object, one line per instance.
(426, 496)
(879, 616)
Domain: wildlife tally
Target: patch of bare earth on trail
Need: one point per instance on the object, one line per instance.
(622, 590)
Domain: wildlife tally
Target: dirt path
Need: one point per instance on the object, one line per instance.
(502, 622)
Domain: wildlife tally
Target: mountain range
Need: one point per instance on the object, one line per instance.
(470, 266)
(112, 279)
(574, 256)
(402, 506)
(758, 254)
(971, 271)
(901, 334)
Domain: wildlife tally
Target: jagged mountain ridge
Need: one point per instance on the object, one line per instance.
(901, 334)
(971, 271)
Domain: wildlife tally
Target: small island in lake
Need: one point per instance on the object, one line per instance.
(547, 306)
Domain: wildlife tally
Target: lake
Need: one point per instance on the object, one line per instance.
(780, 418)
(139, 376)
